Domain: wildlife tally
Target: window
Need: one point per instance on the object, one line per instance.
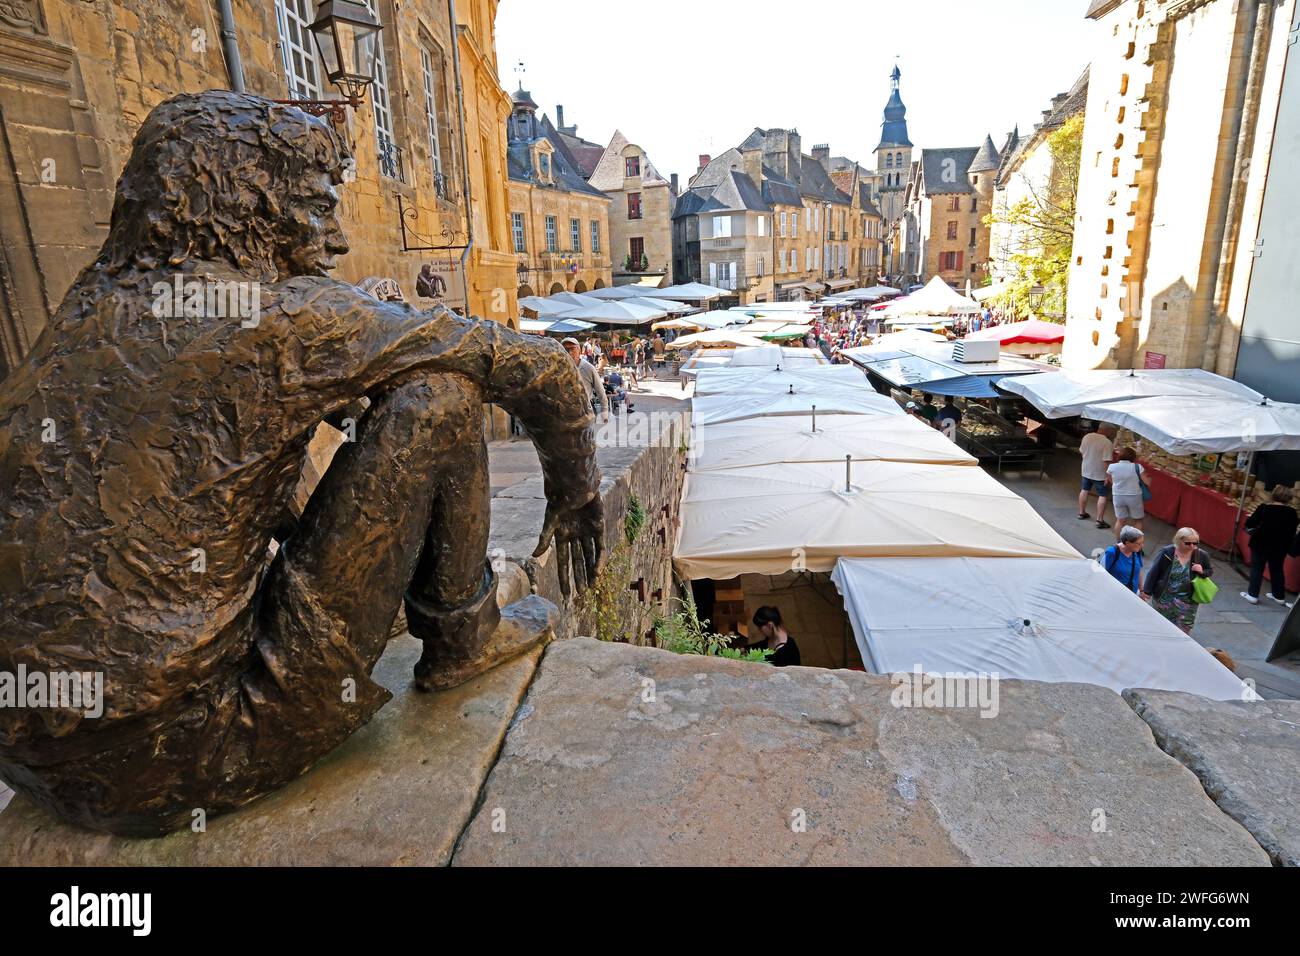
(634, 205)
(298, 48)
(954, 204)
(517, 230)
(762, 266)
(390, 163)
(632, 167)
(762, 225)
(952, 261)
(636, 251)
(721, 227)
(952, 229)
(794, 225)
(783, 218)
(432, 90)
(972, 237)
(595, 236)
(794, 261)
(974, 203)
(889, 160)
(544, 161)
(575, 234)
(552, 242)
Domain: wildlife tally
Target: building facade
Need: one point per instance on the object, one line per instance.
(945, 231)
(1183, 104)
(78, 78)
(640, 213)
(559, 225)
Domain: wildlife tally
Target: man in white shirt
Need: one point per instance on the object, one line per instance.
(1097, 451)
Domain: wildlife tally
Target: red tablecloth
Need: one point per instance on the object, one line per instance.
(1166, 494)
(1292, 566)
(1210, 514)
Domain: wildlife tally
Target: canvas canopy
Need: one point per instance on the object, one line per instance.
(786, 332)
(617, 292)
(1065, 393)
(1024, 618)
(867, 295)
(615, 312)
(765, 441)
(717, 319)
(544, 308)
(1201, 426)
(737, 406)
(693, 291)
(936, 298)
(664, 305)
(574, 298)
(679, 324)
(1031, 332)
(906, 337)
(763, 380)
(727, 338)
(774, 355)
(931, 366)
(550, 325)
(776, 518)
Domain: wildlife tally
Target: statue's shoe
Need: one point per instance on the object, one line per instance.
(462, 644)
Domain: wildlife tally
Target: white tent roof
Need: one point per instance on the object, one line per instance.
(1065, 393)
(762, 308)
(763, 380)
(616, 312)
(545, 308)
(774, 518)
(765, 441)
(617, 292)
(659, 305)
(937, 298)
(716, 337)
(774, 355)
(737, 406)
(573, 298)
(717, 319)
(1183, 425)
(967, 615)
(679, 324)
(694, 291)
(907, 337)
(867, 295)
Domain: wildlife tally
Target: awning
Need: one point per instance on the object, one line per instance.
(843, 283)
(764, 381)
(1203, 426)
(937, 298)
(766, 441)
(773, 356)
(738, 406)
(1062, 394)
(784, 517)
(1032, 332)
(716, 338)
(787, 332)
(1020, 618)
(931, 367)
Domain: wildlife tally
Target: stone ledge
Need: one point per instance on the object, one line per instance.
(398, 792)
(1246, 754)
(716, 768)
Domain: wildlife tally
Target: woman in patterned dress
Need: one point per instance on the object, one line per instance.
(1169, 582)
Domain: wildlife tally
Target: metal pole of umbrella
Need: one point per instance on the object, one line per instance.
(1241, 507)
(814, 410)
(848, 474)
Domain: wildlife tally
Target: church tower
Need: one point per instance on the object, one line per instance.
(894, 154)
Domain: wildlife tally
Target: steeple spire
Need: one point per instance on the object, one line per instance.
(893, 132)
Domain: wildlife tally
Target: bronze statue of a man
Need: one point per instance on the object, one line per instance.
(150, 445)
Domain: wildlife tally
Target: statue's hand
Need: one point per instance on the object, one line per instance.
(578, 534)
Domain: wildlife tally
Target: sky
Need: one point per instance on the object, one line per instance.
(685, 77)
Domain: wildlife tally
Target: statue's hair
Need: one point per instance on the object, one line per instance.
(214, 176)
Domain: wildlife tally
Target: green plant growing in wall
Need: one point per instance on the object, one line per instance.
(684, 633)
(635, 520)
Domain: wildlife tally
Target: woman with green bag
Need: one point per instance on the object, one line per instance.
(1179, 579)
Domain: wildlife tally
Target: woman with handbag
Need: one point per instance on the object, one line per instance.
(1272, 529)
(1128, 491)
(1179, 580)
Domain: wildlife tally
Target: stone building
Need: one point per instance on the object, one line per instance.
(1185, 108)
(722, 229)
(894, 173)
(640, 213)
(944, 230)
(77, 78)
(1029, 177)
(559, 225)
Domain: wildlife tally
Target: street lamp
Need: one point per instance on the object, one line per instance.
(347, 37)
(1036, 296)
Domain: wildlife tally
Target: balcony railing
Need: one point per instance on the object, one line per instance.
(390, 158)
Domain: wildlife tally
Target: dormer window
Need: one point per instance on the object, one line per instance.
(546, 166)
(632, 167)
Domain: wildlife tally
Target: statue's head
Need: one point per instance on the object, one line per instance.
(222, 176)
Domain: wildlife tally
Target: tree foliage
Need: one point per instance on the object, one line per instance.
(1040, 228)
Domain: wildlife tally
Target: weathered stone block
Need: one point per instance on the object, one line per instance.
(1246, 754)
(624, 755)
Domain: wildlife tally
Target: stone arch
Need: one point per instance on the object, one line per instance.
(525, 290)
(600, 284)
(579, 286)
(556, 287)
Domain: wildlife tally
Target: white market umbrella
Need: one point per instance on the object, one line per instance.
(1206, 425)
(574, 298)
(615, 313)
(1066, 393)
(776, 355)
(615, 292)
(545, 308)
(718, 409)
(764, 380)
(902, 339)
(715, 338)
(694, 291)
(766, 441)
(1021, 618)
(678, 324)
(777, 518)
(660, 305)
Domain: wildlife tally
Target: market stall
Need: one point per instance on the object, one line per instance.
(737, 406)
(776, 518)
(776, 356)
(993, 438)
(761, 379)
(1020, 618)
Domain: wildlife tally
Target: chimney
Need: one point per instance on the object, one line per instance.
(673, 180)
(794, 150)
(705, 159)
(559, 116)
(752, 161)
(822, 153)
